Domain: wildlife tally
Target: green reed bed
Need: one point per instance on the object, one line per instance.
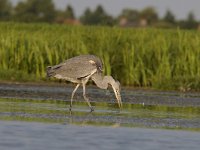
(167, 59)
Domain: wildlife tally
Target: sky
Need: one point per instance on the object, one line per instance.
(180, 8)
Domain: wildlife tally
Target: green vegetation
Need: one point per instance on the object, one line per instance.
(167, 59)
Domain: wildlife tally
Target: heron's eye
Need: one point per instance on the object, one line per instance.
(100, 68)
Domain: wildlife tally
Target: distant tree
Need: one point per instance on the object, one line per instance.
(98, 17)
(35, 11)
(99, 11)
(5, 10)
(62, 16)
(189, 23)
(87, 17)
(102, 17)
(130, 14)
(69, 12)
(169, 17)
(150, 15)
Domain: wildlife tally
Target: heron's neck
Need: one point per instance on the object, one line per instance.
(102, 81)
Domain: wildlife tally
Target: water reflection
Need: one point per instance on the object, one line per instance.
(105, 114)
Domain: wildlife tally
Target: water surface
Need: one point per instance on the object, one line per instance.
(37, 117)
(32, 136)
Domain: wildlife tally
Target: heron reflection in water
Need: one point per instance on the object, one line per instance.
(79, 70)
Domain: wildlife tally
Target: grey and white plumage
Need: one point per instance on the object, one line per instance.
(79, 70)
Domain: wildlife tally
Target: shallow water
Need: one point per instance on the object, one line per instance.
(37, 117)
(106, 114)
(32, 136)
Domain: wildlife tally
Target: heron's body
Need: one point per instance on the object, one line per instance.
(79, 70)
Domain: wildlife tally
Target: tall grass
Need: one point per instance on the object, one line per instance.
(168, 59)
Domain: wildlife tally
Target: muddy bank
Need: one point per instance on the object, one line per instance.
(63, 92)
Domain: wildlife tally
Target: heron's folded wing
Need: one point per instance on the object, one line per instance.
(75, 69)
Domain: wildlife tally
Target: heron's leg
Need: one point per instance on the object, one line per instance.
(87, 99)
(73, 95)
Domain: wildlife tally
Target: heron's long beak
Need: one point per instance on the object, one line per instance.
(118, 96)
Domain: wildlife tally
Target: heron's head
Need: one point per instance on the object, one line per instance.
(116, 89)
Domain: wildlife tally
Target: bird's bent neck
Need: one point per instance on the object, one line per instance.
(102, 81)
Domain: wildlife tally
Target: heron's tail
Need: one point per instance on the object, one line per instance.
(50, 71)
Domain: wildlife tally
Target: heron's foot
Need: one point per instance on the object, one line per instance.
(70, 107)
(91, 109)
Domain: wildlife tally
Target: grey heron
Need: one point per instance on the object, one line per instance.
(79, 70)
